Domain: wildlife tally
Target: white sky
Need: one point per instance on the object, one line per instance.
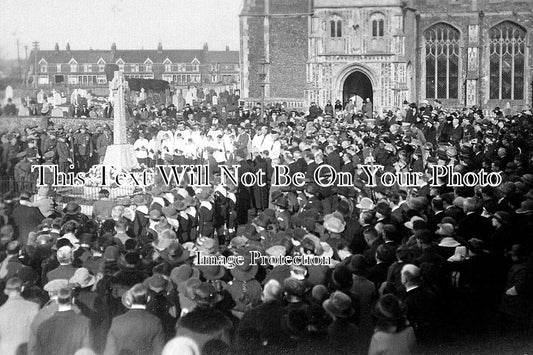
(132, 24)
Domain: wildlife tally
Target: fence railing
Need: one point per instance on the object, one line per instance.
(84, 195)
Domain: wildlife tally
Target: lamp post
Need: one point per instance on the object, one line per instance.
(262, 82)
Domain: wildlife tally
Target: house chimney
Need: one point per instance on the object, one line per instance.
(57, 48)
(113, 47)
(227, 48)
(68, 47)
(206, 48)
(160, 48)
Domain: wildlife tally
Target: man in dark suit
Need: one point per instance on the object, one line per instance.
(11, 264)
(421, 303)
(333, 158)
(293, 165)
(140, 221)
(244, 193)
(65, 332)
(399, 208)
(264, 319)
(473, 225)
(137, 331)
(450, 209)
(65, 270)
(373, 240)
(26, 217)
(300, 161)
(260, 193)
(437, 208)
(242, 141)
(311, 165)
(347, 164)
(311, 200)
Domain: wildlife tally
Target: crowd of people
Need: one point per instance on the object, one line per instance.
(410, 266)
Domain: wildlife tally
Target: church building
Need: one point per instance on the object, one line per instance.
(461, 52)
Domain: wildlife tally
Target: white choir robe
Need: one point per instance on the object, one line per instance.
(257, 141)
(179, 146)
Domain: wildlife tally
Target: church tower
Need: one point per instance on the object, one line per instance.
(274, 42)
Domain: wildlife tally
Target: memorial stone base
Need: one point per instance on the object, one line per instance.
(121, 156)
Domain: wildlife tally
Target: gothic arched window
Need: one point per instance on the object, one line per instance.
(378, 24)
(335, 28)
(442, 62)
(507, 43)
(378, 27)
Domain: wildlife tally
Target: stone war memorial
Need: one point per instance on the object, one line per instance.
(120, 155)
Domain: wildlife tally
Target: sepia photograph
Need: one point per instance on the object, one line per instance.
(266, 177)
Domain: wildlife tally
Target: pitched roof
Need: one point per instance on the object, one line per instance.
(223, 57)
(91, 56)
(138, 56)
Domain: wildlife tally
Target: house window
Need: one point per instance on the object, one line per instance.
(101, 68)
(214, 78)
(101, 79)
(43, 80)
(442, 62)
(167, 77)
(507, 44)
(121, 67)
(168, 68)
(87, 68)
(73, 68)
(58, 68)
(135, 68)
(378, 28)
(148, 67)
(44, 68)
(73, 79)
(335, 28)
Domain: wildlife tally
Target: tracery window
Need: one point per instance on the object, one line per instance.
(507, 43)
(442, 61)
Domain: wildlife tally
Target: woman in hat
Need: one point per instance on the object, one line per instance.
(179, 219)
(221, 212)
(516, 308)
(175, 255)
(160, 301)
(231, 222)
(72, 212)
(90, 303)
(448, 242)
(342, 333)
(501, 238)
(393, 335)
(244, 289)
(334, 225)
(206, 215)
(282, 213)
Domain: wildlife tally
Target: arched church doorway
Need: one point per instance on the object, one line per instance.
(357, 87)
